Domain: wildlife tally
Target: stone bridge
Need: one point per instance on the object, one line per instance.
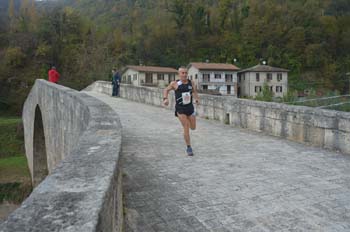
(119, 164)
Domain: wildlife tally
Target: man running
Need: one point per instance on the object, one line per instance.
(184, 108)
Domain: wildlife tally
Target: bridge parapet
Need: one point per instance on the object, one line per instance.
(75, 140)
(318, 127)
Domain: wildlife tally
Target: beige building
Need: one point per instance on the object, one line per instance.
(217, 77)
(148, 75)
(251, 80)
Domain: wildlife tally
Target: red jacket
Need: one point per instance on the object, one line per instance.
(53, 76)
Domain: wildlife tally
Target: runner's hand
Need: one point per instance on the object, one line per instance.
(166, 102)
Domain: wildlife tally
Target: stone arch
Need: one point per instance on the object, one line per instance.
(40, 168)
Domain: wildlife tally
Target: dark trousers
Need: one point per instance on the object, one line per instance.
(115, 91)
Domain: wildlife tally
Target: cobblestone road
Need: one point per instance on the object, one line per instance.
(237, 180)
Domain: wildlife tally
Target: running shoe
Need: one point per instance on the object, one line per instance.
(189, 151)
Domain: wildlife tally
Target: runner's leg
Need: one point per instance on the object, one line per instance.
(186, 126)
(192, 120)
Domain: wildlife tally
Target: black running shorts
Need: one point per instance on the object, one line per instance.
(188, 110)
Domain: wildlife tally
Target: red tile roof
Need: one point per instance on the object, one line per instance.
(264, 68)
(214, 66)
(155, 69)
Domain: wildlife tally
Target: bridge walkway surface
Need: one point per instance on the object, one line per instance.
(237, 181)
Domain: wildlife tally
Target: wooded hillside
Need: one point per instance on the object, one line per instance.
(85, 38)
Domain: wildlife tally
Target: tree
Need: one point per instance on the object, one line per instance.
(12, 16)
(24, 15)
(179, 8)
(265, 94)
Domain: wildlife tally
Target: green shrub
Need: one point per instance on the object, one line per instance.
(265, 94)
(14, 57)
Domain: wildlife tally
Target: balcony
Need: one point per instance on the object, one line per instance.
(229, 79)
(206, 79)
(217, 83)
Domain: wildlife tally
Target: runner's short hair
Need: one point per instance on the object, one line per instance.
(182, 67)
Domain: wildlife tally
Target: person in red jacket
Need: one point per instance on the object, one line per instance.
(54, 76)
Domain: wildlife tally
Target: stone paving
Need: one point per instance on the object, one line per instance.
(237, 180)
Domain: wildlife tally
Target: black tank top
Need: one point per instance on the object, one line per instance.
(183, 94)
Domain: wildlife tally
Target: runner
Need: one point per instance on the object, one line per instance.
(184, 109)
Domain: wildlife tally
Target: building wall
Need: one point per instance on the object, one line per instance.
(214, 84)
(192, 72)
(128, 76)
(142, 78)
(139, 78)
(244, 84)
(248, 85)
(162, 83)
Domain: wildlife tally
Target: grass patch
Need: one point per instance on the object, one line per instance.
(11, 144)
(15, 180)
(14, 169)
(14, 192)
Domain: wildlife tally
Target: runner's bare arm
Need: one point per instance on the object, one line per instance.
(195, 93)
(170, 87)
(166, 91)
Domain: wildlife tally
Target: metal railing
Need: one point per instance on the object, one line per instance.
(341, 102)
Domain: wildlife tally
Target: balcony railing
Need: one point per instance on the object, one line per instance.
(217, 83)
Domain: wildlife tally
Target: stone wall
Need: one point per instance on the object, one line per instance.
(323, 128)
(75, 139)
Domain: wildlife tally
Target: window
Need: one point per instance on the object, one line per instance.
(228, 78)
(196, 77)
(160, 77)
(257, 77)
(135, 77)
(271, 88)
(257, 89)
(149, 78)
(128, 81)
(279, 76)
(191, 77)
(269, 76)
(205, 87)
(171, 77)
(278, 89)
(217, 76)
(206, 77)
